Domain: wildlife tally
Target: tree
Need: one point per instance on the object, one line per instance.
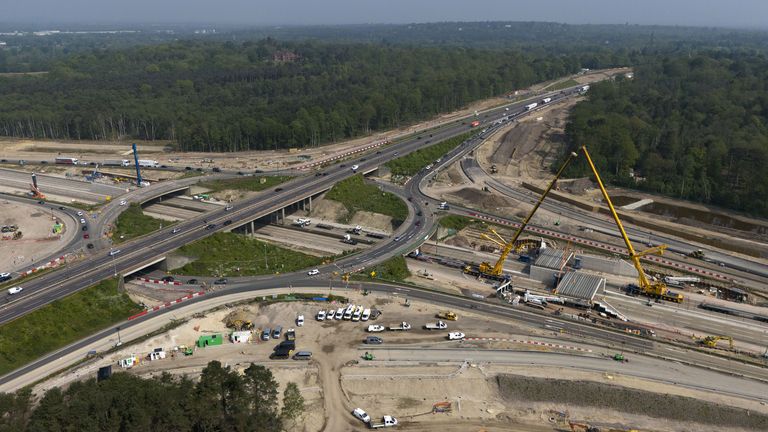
(293, 402)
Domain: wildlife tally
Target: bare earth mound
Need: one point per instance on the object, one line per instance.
(372, 220)
(328, 209)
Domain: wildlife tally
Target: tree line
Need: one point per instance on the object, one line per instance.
(225, 96)
(222, 400)
(691, 126)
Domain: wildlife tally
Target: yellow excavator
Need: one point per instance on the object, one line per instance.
(653, 289)
(496, 271)
(711, 341)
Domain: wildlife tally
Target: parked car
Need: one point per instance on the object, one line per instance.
(362, 415)
(4, 277)
(374, 340)
(300, 320)
(321, 315)
(15, 290)
(373, 328)
(266, 333)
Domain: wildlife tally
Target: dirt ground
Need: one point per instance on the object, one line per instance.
(336, 380)
(38, 238)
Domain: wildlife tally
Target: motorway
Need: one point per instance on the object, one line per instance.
(47, 288)
(80, 190)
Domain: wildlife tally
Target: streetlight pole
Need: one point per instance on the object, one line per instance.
(114, 264)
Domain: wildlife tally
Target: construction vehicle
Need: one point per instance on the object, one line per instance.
(494, 170)
(620, 358)
(698, 254)
(34, 189)
(448, 315)
(368, 356)
(496, 271)
(655, 289)
(711, 341)
(238, 321)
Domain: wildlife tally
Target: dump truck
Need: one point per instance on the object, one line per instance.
(448, 315)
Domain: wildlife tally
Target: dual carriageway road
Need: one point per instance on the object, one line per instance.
(77, 276)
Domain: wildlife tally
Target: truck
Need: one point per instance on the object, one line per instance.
(531, 106)
(680, 280)
(387, 421)
(302, 222)
(403, 326)
(116, 162)
(475, 123)
(147, 163)
(348, 240)
(443, 206)
(436, 326)
(157, 354)
(66, 161)
(356, 230)
(546, 100)
(355, 168)
(448, 315)
(584, 89)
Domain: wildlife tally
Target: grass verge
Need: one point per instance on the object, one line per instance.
(455, 222)
(134, 223)
(62, 322)
(562, 84)
(228, 254)
(357, 195)
(253, 184)
(394, 269)
(412, 163)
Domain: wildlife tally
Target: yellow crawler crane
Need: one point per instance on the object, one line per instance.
(496, 271)
(655, 289)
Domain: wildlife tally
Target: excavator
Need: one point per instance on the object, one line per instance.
(711, 341)
(654, 289)
(496, 271)
(35, 190)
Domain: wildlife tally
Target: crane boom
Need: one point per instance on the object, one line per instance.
(655, 289)
(497, 270)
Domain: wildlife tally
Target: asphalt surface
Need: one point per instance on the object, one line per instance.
(47, 288)
(72, 188)
(600, 224)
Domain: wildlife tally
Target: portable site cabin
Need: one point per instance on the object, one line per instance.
(240, 336)
(129, 362)
(209, 340)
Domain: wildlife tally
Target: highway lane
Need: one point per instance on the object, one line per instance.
(615, 340)
(47, 288)
(602, 224)
(77, 189)
(647, 368)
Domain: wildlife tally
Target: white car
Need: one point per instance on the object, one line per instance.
(375, 328)
(15, 290)
(456, 336)
(300, 320)
(339, 313)
(366, 315)
(123, 202)
(330, 314)
(362, 415)
(114, 252)
(79, 213)
(82, 221)
(313, 272)
(228, 208)
(321, 315)
(354, 168)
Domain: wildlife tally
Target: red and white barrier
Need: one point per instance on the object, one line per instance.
(604, 246)
(167, 304)
(343, 155)
(158, 281)
(50, 264)
(531, 342)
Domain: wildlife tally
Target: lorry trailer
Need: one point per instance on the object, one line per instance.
(66, 161)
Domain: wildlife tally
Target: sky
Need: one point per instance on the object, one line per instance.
(722, 13)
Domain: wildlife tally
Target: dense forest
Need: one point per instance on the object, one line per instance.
(692, 126)
(223, 400)
(257, 95)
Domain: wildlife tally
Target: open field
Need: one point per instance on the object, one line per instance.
(358, 196)
(393, 269)
(134, 223)
(228, 254)
(61, 323)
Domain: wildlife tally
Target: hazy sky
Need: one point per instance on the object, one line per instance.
(722, 13)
